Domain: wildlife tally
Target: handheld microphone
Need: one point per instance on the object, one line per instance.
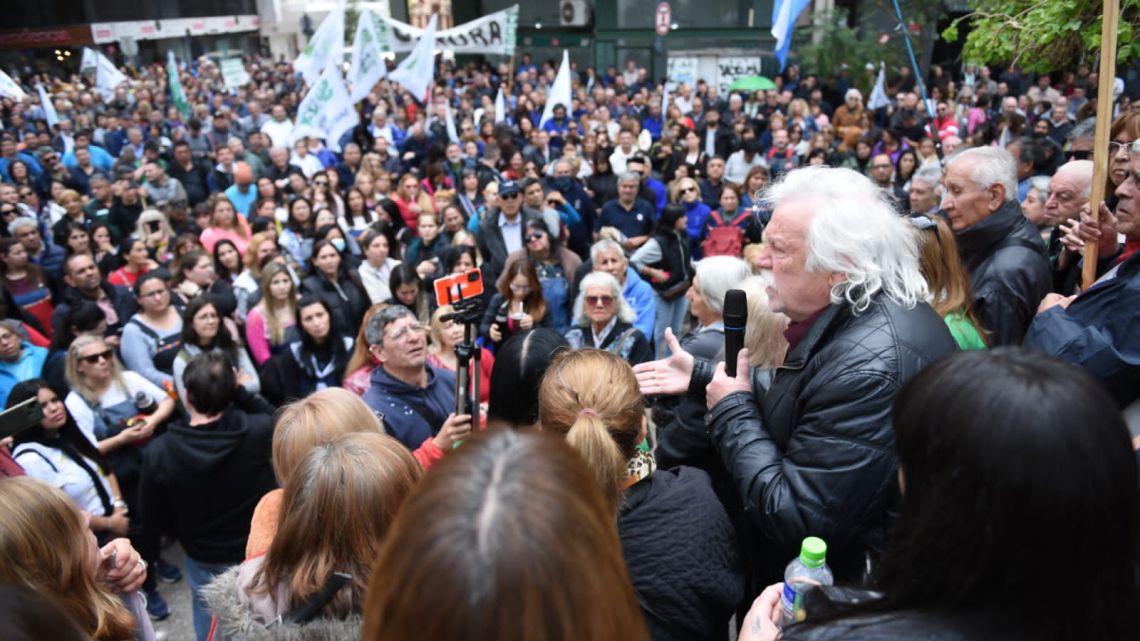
(735, 319)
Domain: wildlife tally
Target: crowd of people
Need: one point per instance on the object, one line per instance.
(235, 342)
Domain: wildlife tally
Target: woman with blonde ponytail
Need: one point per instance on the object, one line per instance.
(677, 539)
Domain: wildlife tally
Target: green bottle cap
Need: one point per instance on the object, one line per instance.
(813, 552)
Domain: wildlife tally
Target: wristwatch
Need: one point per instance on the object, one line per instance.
(120, 503)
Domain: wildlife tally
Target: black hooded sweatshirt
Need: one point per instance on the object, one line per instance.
(202, 483)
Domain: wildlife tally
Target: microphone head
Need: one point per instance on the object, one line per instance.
(735, 309)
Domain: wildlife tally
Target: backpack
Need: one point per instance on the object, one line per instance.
(723, 240)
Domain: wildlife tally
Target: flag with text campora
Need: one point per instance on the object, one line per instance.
(417, 71)
(559, 93)
(327, 111)
(177, 96)
(324, 48)
(368, 66)
(784, 15)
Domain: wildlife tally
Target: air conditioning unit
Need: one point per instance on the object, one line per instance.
(573, 13)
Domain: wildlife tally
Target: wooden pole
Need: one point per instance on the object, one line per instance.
(1101, 159)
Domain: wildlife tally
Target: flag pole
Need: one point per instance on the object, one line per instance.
(1108, 32)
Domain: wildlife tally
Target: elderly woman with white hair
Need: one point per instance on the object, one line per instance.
(847, 119)
(604, 320)
(681, 435)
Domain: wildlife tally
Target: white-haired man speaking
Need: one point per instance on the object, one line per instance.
(814, 453)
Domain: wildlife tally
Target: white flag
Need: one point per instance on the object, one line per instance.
(89, 62)
(325, 47)
(665, 100)
(878, 98)
(48, 107)
(368, 65)
(559, 93)
(327, 110)
(10, 88)
(418, 70)
(107, 77)
(500, 107)
(451, 133)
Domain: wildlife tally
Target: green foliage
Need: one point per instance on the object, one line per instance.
(840, 44)
(1043, 35)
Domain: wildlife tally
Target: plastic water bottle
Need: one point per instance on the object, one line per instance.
(803, 573)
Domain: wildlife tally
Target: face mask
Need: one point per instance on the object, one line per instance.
(338, 243)
(563, 183)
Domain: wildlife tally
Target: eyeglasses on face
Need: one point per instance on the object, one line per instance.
(534, 236)
(595, 301)
(405, 333)
(509, 196)
(95, 358)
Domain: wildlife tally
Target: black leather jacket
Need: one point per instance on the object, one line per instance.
(1009, 272)
(814, 454)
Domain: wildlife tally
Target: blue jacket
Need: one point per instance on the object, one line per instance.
(696, 213)
(412, 414)
(639, 295)
(1100, 332)
(29, 365)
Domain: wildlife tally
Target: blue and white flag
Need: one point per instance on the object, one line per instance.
(784, 15)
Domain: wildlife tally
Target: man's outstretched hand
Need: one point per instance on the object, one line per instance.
(668, 376)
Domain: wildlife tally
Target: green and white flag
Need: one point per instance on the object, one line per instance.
(327, 111)
(368, 65)
(9, 88)
(418, 70)
(326, 47)
(177, 97)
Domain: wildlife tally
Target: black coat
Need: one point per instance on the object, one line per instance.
(1009, 272)
(814, 454)
(346, 312)
(202, 483)
(492, 247)
(121, 299)
(680, 549)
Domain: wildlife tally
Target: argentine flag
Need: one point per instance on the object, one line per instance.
(784, 15)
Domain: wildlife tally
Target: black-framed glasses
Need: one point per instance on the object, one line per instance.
(509, 196)
(95, 358)
(688, 190)
(1079, 154)
(537, 235)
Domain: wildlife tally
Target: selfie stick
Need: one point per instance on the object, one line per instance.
(468, 312)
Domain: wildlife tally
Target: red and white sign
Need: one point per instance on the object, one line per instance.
(664, 19)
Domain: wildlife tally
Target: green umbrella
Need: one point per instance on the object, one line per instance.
(751, 83)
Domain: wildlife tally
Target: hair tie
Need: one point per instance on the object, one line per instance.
(588, 411)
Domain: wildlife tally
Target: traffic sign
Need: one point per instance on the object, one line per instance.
(664, 18)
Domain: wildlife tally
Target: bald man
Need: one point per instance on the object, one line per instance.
(1069, 191)
(243, 193)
